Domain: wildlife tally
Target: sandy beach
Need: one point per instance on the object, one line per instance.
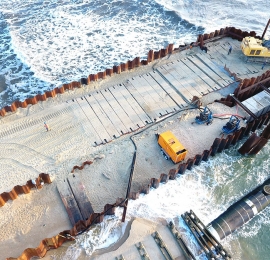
(29, 150)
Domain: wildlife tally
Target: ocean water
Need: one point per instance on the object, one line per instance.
(45, 43)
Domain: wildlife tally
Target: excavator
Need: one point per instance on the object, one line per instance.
(257, 50)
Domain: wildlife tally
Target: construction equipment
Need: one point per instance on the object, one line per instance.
(171, 147)
(231, 126)
(206, 117)
(213, 250)
(256, 50)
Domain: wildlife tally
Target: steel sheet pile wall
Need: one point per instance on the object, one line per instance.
(129, 65)
(18, 189)
(247, 88)
(255, 143)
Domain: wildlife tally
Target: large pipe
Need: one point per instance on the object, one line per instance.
(241, 212)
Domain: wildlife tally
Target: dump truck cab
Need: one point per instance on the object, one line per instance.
(253, 47)
(171, 147)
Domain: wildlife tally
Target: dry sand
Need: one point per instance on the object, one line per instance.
(25, 153)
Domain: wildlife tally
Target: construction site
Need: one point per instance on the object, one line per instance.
(75, 154)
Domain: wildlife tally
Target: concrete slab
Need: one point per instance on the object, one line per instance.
(204, 82)
(186, 81)
(97, 124)
(168, 89)
(187, 91)
(108, 108)
(168, 104)
(82, 109)
(263, 98)
(230, 60)
(105, 115)
(146, 119)
(253, 105)
(155, 96)
(119, 111)
(126, 105)
(142, 98)
(218, 82)
(148, 94)
(215, 68)
(187, 77)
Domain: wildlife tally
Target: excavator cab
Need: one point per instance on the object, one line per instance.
(253, 47)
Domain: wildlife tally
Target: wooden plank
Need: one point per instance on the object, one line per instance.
(78, 190)
(206, 82)
(109, 111)
(126, 106)
(69, 202)
(119, 111)
(159, 100)
(134, 104)
(168, 89)
(177, 85)
(142, 101)
(215, 68)
(96, 124)
(101, 115)
(82, 109)
(150, 99)
(170, 104)
(219, 82)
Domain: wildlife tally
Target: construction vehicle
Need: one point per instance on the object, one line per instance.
(205, 117)
(231, 126)
(257, 49)
(171, 148)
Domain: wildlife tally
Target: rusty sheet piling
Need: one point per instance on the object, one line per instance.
(255, 143)
(25, 189)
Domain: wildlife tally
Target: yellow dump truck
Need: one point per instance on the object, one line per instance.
(171, 147)
(253, 47)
